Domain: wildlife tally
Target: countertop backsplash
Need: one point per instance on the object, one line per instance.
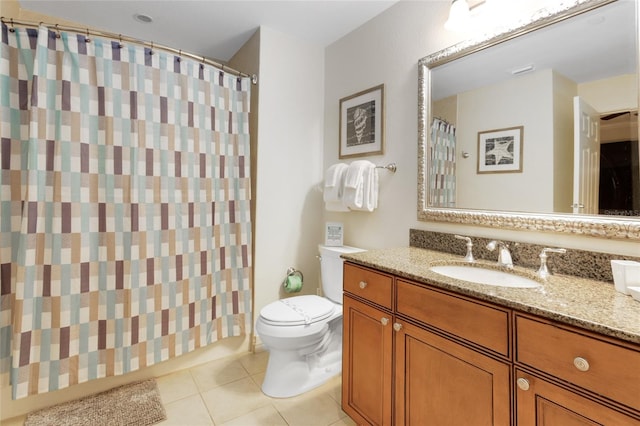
(577, 263)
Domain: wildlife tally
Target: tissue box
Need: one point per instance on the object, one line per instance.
(626, 273)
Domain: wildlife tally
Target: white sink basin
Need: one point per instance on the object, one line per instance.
(484, 276)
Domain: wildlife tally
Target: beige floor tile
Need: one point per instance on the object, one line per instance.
(176, 386)
(217, 373)
(265, 416)
(189, 411)
(15, 421)
(234, 399)
(258, 378)
(345, 421)
(317, 409)
(255, 363)
(333, 388)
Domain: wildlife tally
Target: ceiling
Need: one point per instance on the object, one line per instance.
(592, 46)
(215, 28)
(218, 28)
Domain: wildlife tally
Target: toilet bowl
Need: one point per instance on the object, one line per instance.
(303, 334)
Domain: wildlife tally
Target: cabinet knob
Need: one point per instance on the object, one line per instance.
(363, 284)
(397, 326)
(384, 320)
(523, 383)
(581, 363)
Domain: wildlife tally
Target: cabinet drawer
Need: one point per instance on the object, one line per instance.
(373, 286)
(594, 364)
(472, 321)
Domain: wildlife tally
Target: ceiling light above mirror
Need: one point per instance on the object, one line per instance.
(459, 16)
(479, 15)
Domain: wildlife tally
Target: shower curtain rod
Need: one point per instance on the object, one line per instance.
(119, 37)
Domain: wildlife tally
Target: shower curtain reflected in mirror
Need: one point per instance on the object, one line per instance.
(442, 164)
(125, 226)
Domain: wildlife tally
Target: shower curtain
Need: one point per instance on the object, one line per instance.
(125, 226)
(442, 167)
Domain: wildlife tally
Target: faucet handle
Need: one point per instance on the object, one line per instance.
(543, 271)
(491, 245)
(469, 256)
(552, 250)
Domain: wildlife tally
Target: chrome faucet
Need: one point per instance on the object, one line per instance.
(504, 256)
(543, 271)
(469, 256)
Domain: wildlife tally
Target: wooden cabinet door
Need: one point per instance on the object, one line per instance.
(442, 383)
(541, 403)
(367, 353)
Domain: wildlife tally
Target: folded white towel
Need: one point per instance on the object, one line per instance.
(334, 182)
(369, 199)
(353, 176)
(335, 206)
(370, 189)
(334, 187)
(361, 186)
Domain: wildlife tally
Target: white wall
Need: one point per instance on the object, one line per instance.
(522, 101)
(564, 90)
(386, 50)
(290, 127)
(611, 94)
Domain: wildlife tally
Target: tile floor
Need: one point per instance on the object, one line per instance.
(227, 392)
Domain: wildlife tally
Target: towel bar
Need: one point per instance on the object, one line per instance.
(391, 167)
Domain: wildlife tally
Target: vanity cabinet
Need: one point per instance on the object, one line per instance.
(440, 382)
(367, 354)
(540, 402)
(437, 380)
(417, 354)
(444, 374)
(598, 379)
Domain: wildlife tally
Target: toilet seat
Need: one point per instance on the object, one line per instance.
(298, 310)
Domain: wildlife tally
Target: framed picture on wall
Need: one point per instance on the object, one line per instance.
(362, 123)
(500, 151)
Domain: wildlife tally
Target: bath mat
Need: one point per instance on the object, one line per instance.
(136, 404)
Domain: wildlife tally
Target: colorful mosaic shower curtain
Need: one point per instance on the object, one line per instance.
(125, 226)
(442, 167)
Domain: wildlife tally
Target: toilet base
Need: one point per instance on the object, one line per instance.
(289, 374)
(293, 372)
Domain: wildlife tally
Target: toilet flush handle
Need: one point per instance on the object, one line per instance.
(363, 284)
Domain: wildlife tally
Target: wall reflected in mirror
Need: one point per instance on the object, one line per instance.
(533, 82)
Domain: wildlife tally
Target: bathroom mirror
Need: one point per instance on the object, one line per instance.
(504, 70)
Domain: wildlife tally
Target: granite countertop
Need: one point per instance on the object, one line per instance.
(588, 304)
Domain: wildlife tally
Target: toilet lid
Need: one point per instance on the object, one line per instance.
(298, 310)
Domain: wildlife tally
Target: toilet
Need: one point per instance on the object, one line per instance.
(304, 333)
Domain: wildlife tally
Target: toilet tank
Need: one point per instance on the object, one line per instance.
(331, 270)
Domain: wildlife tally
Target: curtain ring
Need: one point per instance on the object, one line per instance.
(151, 51)
(179, 58)
(120, 44)
(57, 31)
(12, 29)
(87, 38)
